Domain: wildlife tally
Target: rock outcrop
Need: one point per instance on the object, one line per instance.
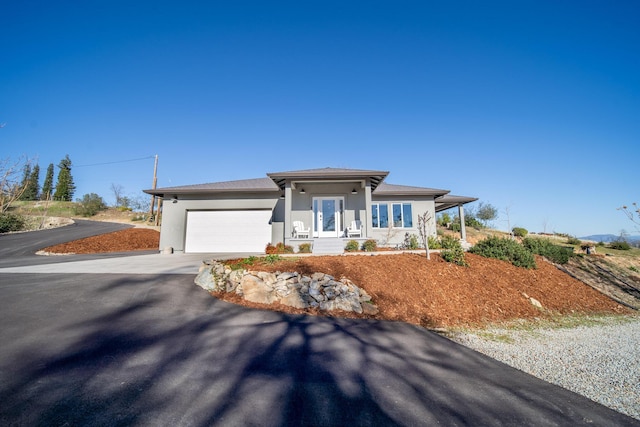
(318, 290)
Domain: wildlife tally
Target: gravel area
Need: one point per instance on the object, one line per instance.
(600, 361)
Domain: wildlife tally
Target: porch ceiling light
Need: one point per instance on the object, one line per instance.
(302, 191)
(354, 191)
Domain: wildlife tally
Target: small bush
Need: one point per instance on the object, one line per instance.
(279, 248)
(369, 245)
(449, 242)
(89, 205)
(545, 248)
(410, 241)
(352, 246)
(272, 258)
(11, 222)
(304, 248)
(454, 253)
(520, 232)
(472, 221)
(242, 263)
(434, 243)
(455, 227)
(444, 220)
(506, 250)
(634, 269)
(620, 245)
(574, 240)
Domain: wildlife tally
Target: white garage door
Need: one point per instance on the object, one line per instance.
(228, 231)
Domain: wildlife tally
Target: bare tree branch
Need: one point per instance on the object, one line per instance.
(11, 185)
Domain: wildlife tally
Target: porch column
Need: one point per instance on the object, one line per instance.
(287, 211)
(463, 231)
(367, 211)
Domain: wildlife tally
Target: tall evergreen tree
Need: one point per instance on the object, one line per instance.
(33, 185)
(65, 186)
(47, 187)
(26, 173)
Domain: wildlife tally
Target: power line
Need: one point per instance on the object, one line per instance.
(117, 161)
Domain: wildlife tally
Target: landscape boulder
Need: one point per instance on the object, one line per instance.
(318, 290)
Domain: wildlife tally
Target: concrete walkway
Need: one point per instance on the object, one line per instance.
(127, 264)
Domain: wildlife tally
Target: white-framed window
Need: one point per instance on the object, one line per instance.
(401, 215)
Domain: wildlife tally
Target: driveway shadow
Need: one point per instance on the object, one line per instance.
(157, 350)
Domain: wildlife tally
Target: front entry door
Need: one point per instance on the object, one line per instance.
(328, 216)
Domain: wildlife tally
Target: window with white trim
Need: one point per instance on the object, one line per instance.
(401, 215)
(379, 215)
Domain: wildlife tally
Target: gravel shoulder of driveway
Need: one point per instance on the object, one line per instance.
(599, 359)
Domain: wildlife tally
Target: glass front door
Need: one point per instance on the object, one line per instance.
(328, 216)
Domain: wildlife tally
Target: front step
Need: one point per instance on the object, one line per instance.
(328, 246)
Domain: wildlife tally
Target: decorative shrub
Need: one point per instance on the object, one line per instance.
(304, 248)
(10, 222)
(504, 249)
(434, 243)
(370, 245)
(352, 246)
(410, 241)
(272, 258)
(620, 245)
(454, 253)
(520, 232)
(279, 248)
(449, 242)
(544, 247)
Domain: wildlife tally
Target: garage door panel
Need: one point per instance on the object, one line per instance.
(228, 231)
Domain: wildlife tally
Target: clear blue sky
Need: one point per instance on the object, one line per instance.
(532, 106)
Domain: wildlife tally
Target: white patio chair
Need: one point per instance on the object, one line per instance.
(299, 231)
(355, 229)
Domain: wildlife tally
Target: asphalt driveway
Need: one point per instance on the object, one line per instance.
(154, 349)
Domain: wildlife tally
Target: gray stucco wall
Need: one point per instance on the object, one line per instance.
(395, 236)
(174, 215)
(302, 204)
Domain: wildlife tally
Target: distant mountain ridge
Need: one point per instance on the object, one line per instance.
(606, 238)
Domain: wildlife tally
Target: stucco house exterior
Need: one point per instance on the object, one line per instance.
(325, 207)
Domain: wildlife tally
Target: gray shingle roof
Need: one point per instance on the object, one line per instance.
(275, 182)
(248, 185)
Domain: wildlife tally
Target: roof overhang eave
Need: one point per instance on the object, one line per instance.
(178, 191)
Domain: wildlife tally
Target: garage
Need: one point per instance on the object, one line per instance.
(228, 231)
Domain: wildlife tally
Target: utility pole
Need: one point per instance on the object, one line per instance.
(155, 181)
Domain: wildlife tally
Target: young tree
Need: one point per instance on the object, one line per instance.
(486, 213)
(117, 190)
(11, 188)
(47, 187)
(33, 185)
(26, 173)
(423, 229)
(65, 186)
